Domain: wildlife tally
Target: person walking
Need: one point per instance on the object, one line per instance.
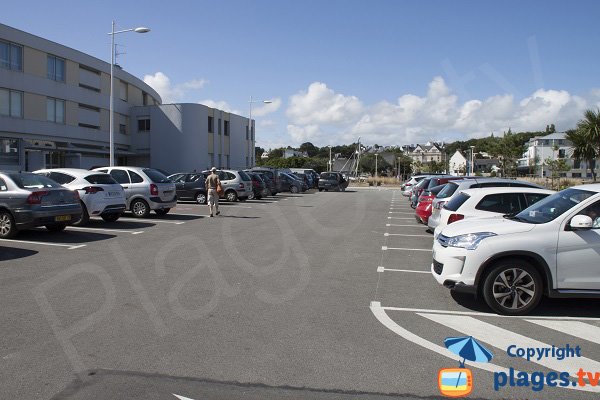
(212, 182)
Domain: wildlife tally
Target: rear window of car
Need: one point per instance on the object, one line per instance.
(61, 178)
(447, 191)
(244, 176)
(155, 176)
(100, 179)
(456, 202)
(328, 176)
(32, 181)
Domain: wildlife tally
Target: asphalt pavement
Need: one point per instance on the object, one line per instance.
(315, 295)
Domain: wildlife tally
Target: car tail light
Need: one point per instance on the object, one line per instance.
(92, 189)
(242, 186)
(153, 189)
(255, 183)
(76, 194)
(425, 199)
(439, 205)
(36, 197)
(455, 217)
(408, 184)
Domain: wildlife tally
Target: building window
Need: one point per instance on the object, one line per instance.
(576, 175)
(11, 56)
(576, 164)
(123, 90)
(144, 125)
(252, 133)
(219, 129)
(11, 103)
(247, 134)
(561, 153)
(123, 129)
(211, 124)
(226, 130)
(55, 110)
(56, 68)
(9, 151)
(145, 98)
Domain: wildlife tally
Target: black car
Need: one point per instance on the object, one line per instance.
(270, 185)
(258, 186)
(190, 186)
(332, 181)
(274, 175)
(290, 183)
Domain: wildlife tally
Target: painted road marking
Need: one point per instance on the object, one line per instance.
(402, 212)
(403, 248)
(405, 234)
(153, 220)
(501, 339)
(380, 313)
(412, 226)
(83, 228)
(68, 246)
(413, 218)
(578, 329)
(483, 314)
(382, 269)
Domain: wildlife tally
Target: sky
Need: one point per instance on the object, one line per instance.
(390, 72)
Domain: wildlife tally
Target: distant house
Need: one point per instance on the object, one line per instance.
(457, 164)
(264, 155)
(287, 153)
(425, 153)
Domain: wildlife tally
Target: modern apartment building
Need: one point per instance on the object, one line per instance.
(54, 112)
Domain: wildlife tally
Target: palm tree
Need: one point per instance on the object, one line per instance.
(583, 149)
(590, 128)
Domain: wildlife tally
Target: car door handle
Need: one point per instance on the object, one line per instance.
(125, 187)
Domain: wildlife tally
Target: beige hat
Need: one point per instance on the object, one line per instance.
(213, 169)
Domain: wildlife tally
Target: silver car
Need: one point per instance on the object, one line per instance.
(28, 200)
(146, 189)
(237, 185)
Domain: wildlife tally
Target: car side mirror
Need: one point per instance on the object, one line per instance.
(581, 222)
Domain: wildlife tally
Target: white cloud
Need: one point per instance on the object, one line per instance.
(172, 93)
(323, 116)
(220, 105)
(265, 108)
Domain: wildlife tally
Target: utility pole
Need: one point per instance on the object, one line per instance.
(376, 164)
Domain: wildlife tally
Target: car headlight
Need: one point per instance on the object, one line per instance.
(470, 241)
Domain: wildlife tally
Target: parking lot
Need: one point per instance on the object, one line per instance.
(314, 295)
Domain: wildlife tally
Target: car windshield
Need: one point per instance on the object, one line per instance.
(32, 181)
(553, 206)
(447, 191)
(156, 176)
(244, 176)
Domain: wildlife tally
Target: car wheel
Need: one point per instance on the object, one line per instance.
(294, 189)
(56, 227)
(200, 198)
(513, 287)
(162, 211)
(8, 228)
(85, 216)
(231, 196)
(140, 208)
(320, 189)
(111, 217)
(251, 196)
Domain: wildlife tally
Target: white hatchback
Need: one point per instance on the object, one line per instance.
(551, 248)
(100, 194)
(488, 202)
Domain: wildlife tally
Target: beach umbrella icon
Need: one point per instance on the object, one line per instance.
(468, 348)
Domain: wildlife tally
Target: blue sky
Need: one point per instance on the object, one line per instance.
(391, 72)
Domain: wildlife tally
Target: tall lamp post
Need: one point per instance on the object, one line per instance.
(250, 117)
(472, 159)
(376, 164)
(112, 34)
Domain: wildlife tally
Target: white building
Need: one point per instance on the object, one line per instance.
(457, 165)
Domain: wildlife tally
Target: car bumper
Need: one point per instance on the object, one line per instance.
(450, 266)
(31, 218)
(434, 220)
(156, 203)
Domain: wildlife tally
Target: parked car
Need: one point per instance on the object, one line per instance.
(455, 187)
(406, 187)
(430, 182)
(237, 185)
(290, 183)
(146, 189)
(270, 185)
(190, 186)
(28, 200)
(550, 248)
(306, 178)
(489, 202)
(423, 210)
(259, 187)
(312, 175)
(99, 193)
(332, 181)
(417, 190)
(273, 174)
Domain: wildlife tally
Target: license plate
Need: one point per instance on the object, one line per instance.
(62, 218)
(114, 194)
(168, 192)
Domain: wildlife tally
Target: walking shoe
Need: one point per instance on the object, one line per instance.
(218, 212)
(211, 215)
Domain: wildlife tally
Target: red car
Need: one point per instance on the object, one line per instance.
(423, 210)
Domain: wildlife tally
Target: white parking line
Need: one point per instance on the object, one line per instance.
(405, 234)
(412, 226)
(400, 212)
(68, 246)
(85, 228)
(401, 218)
(153, 220)
(384, 248)
(226, 207)
(578, 329)
(382, 269)
(188, 215)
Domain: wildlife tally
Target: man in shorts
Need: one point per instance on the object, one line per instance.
(211, 189)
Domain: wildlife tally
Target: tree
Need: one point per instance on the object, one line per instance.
(508, 149)
(367, 164)
(276, 153)
(556, 166)
(309, 148)
(583, 149)
(589, 127)
(258, 151)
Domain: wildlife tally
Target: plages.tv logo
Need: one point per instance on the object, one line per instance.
(458, 382)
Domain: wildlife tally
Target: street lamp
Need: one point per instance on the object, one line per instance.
(330, 164)
(472, 159)
(250, 117)
(376, 164)
(112, 34)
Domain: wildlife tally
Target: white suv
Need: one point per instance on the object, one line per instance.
(551, 248)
